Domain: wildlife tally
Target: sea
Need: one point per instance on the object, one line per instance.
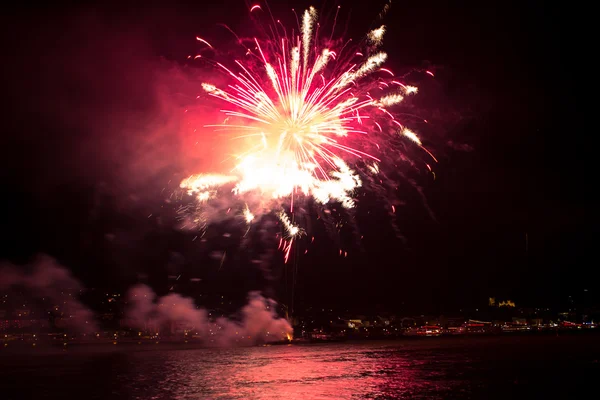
(495, 367)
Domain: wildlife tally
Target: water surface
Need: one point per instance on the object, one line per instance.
(529, 367)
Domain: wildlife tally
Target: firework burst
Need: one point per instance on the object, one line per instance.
(313, 117)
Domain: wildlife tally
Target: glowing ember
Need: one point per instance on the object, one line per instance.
(411, 135)
(248, 216)
(376, 36)
(204, 187)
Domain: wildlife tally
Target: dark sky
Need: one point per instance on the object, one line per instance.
(94, 140)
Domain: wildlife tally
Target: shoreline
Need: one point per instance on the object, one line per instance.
(15, 347)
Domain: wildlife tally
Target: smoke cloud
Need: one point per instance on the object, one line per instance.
(126, 105)
(257, 321)
(46, 278)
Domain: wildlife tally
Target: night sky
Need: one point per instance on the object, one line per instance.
(95, 139)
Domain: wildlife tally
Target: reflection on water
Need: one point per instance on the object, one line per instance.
(285, 372)
(524, 367)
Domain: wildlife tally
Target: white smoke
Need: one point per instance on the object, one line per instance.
(259, 322)
(45, 278)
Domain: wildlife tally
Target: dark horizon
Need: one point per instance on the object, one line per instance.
(95, 91)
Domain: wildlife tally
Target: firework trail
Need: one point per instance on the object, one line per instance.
(316, 122)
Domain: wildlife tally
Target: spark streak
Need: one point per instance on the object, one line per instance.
(204, 41)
